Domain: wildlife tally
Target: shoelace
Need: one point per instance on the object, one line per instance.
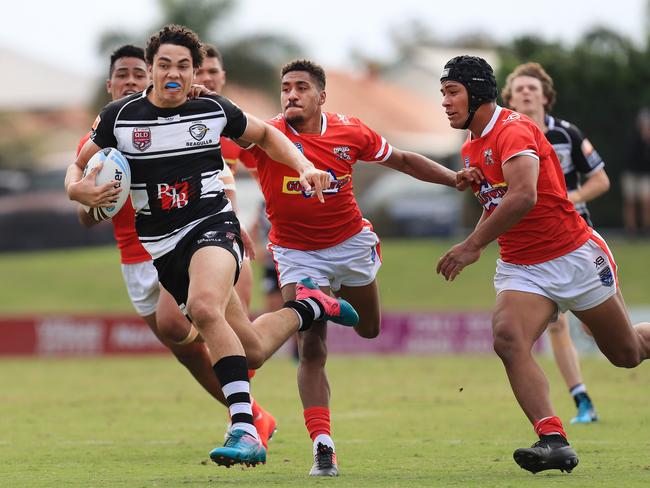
(233, 438)
(324, 456)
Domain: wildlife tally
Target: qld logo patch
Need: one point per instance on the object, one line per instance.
(141, 138)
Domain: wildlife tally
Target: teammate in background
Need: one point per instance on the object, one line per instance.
(551, 260)
(212, 75)
(336, 246)
(529, 90)
(636, 179)
(184, 220)
(128, 75)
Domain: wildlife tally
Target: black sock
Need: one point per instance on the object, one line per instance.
(232, 373)
(305, 311)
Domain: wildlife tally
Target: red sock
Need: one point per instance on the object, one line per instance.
(317, 421)
(548, 426)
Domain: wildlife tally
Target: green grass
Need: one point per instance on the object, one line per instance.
(89, 280)
(397, 421)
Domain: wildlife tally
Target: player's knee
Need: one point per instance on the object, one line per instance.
(506, 344)
(313, 354)
(625, 357)
(368, 329)
(255, 357)
(203, 311)
(173, 330)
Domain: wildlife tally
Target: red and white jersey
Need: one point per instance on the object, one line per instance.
(552, 227)
(131, 251)
(300, 221)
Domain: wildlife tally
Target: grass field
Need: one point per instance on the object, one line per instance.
(398, 422)
(89, 280)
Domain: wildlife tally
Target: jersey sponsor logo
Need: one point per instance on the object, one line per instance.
(173, 196)
(198, 131)
(487, 154)
(343, 152)
(141, 138)
(490, 196)
(511, 117)
(173, 118)
(291, 185)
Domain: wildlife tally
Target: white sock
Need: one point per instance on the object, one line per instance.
(325, 440)
(579, 388)
(317, 310)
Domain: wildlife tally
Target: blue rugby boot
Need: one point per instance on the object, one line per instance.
(240, 448)
(586, 411)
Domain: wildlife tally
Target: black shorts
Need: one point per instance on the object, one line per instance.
(270, 279)
(221, 230)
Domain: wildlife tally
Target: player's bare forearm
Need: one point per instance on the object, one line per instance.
(420, 167)
(593, 187)
(73, 174)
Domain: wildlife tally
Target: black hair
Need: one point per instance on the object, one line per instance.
(178, 35)
(212, 52)
(316, 71)
(126, 51)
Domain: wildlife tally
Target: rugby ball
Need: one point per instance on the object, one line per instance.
(115, 168)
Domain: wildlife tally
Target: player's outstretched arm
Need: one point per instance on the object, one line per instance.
(82, 188)
(279, 148)
(425, 169)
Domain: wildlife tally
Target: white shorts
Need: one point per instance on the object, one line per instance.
(354, 262)
(635, 185)
(141, 281)
(579, 280)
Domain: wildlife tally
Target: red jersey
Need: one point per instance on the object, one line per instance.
(300, 221)
(232, 153)
(552, 228)
(131, 251)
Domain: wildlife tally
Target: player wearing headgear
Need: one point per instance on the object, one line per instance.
(529, 90)
(551, 260)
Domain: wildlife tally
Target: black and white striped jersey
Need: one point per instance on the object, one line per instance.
(175, 159)
(577, 156)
